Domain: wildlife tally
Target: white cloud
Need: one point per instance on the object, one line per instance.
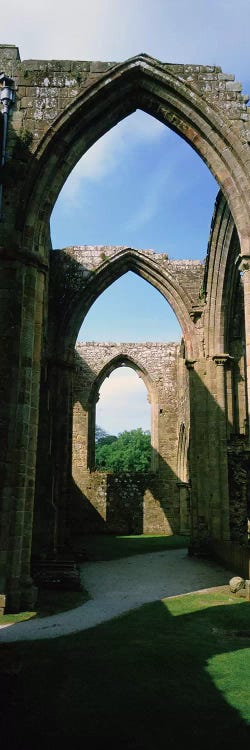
(171, 30)
(214, 32)
(106, 154)
(123, 402)
(122, 382)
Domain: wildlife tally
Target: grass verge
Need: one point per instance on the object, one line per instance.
(169, 674)
(50, 602)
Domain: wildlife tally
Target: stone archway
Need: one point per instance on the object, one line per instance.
(80, 275)
(61, 109)
(152, 497)
(123, 359)
(182, 97)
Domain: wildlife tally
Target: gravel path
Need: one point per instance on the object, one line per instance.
(120, 585)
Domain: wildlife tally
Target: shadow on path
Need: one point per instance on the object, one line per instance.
(117, 586)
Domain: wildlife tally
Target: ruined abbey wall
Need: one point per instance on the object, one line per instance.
(78, 275)
(57, 111)
(147, 503)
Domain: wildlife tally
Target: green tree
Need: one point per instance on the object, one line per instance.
(101, 434)
(130, 451)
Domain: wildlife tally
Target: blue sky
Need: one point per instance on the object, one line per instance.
(140, 185)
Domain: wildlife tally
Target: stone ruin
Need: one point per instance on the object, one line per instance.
(52, 112)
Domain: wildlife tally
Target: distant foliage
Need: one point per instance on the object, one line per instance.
(130, 451)
(100, 434)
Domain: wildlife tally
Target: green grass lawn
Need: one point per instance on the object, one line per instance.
(171, 674)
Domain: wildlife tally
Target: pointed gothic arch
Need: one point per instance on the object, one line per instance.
(194, 102)
(152, 267)
(221, 277)
(160, 90)
(113, 364)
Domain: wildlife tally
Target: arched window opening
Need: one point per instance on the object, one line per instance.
(123, 440)
(140, 184)
(133, 313)
(127, 497)
(130, 310)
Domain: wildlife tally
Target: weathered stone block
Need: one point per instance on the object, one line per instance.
(2, 603)
(236, 583)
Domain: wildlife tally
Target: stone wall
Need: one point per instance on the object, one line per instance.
(45, 88)
(79, 274)
(239, 482)
(144, 504)
(61, 108)
(126, 503)
(54, 98)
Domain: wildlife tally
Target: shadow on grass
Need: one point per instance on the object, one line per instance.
(50, 602)
(96, 547)
(159, 677)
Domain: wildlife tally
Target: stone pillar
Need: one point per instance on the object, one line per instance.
(184, 492)
(230, 405)
(27, 596)
(91, 427)
(198, 457)
(244, 268)
(61, 452)
(21, 318)
(222, 521)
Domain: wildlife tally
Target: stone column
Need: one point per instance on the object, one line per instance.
(90, 429)
(21, 319)
(230, 405)
(61, 451)
(184, 494)
(244, 268)
(198, 524)
(222, 521)
(26, 583)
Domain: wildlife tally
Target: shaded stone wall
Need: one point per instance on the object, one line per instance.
(127, 503)
(239, 482)
(21, 317)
